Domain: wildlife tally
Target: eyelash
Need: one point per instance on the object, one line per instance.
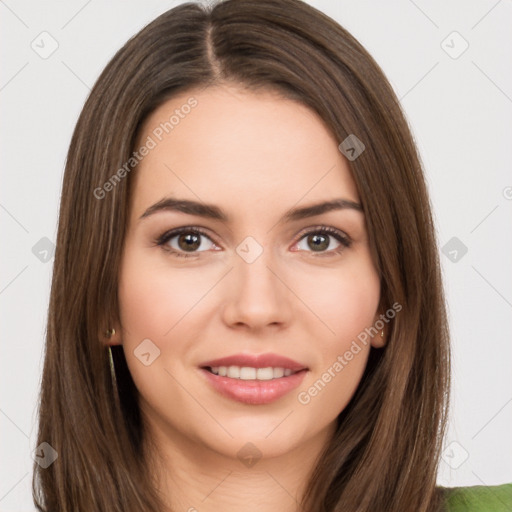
(344, 240)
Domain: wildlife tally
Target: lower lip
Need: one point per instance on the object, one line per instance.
(254, 392)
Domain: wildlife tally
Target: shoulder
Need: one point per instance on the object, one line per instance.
(478, 498)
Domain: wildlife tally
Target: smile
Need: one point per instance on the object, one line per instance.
(250, 373)
(253, 379)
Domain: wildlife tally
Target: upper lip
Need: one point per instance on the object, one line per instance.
(256, 361)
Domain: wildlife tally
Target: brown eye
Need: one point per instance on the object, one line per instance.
(318, 242)
(181, 241)
(190, 241)
(324, 241)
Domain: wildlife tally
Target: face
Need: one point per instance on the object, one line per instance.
(239, 304)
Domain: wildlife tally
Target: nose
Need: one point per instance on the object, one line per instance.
(258, 295)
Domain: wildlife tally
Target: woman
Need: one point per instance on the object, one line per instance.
(246, 307)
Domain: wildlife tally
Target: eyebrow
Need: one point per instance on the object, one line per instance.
(211, 211)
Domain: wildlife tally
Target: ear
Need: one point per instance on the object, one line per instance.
(111, 336)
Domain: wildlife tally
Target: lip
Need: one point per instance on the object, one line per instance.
(256, 361)
(254, 392)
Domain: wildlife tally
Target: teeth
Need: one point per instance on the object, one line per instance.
(264, 373)
(248, 373)
(233, 372)
(278, 372)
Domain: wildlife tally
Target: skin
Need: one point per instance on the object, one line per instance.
(255, 155)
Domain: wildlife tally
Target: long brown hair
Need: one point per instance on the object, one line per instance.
(385, 452)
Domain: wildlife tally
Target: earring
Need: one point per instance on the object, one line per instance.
(110, 332)
(112, 368)
(382, 333)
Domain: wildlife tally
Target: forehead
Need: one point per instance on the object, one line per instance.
(239, 147)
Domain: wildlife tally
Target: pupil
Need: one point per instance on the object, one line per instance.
(317, 241)
(191, 241)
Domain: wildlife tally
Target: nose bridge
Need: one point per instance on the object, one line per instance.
(258, 296)
(254, 275)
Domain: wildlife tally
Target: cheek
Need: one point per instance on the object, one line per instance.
(152, 302)
(333, 381)
(353, 308)
(142, 303)
(152, 299)
(344, 302)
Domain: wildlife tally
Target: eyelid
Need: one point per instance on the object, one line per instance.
(171, 233)
(323, 228)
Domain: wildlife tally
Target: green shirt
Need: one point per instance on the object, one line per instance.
(479, 498)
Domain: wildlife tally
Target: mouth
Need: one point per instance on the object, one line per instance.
(253, 379)
(251, 373)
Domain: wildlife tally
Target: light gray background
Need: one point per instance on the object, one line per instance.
(460, 113)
